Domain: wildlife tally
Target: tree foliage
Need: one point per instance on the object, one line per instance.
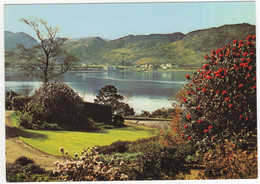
(109, 95)
(221, 96)
(47, 60)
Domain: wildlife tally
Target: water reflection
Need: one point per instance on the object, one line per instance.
(143, 90)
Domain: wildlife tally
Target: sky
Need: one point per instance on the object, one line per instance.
(112, 21)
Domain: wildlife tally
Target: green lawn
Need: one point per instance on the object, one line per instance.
(50, 141)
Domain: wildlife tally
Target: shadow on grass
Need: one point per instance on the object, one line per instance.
(12, 132)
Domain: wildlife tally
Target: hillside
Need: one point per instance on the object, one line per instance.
(177, 48)
(12, 39)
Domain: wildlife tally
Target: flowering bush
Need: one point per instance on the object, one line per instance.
(89, 167)
(221, 96)
(229, 162)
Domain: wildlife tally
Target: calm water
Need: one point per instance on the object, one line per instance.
(142, 90)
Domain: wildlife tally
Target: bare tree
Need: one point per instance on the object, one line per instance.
(48, 59)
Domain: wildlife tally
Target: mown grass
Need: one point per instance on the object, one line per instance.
(73, 141)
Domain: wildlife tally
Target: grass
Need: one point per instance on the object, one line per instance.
(73, 141)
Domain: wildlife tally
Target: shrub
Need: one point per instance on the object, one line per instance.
(227, 161)
(89, 167)
(25, 170)
(23, 161)
(162, 163)
(115, 147)
(19, 102)
(53, 103)
(221, 96)
(9, 94)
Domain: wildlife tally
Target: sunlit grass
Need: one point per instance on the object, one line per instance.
(74, 142)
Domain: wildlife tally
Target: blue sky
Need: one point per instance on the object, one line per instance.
(112, 21)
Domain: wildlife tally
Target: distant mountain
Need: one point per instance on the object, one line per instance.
(176, 48)
(12, 39)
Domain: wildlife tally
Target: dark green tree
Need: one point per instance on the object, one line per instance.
(109, 95)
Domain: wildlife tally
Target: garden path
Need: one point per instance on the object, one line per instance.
(15, 147)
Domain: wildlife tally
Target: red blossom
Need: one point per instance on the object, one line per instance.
(248, 75)
(227, 99)
(224, 92)
(188, 116)
(204, 90)
(188, 76)
(206, 130)
(184, 100)
(235, 41)
(189, 138)
(241, 116)
(185, 126)
(206, 56)
(217, 92)
(200, 120)
(210, 127)
(249, 37)
(213, 138)
(230, 105)
(209, 77)
(199, 107)
(240, 85)
(245, 54)
(254, 87)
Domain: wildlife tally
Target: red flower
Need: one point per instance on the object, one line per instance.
(220, 55)
(188, 116)
(184, 100)
(199, 107)
(235, 41)
(248, 75)
(204, 90)
(189, 138)
(245, 54)
(217, 92)
(240, 85)
(241, 116)
(254, 87)
(253, 38)
(206, 56)
(227, 99)
(249, 37)
(230, 105)
(200, 120)
(206, 130)
(188, 77)
(213, 138)
(182, 135)
(210, 127)
(190, 84)
(185, 126)
(224, 92)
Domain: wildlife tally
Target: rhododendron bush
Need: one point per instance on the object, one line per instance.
(220, 100)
